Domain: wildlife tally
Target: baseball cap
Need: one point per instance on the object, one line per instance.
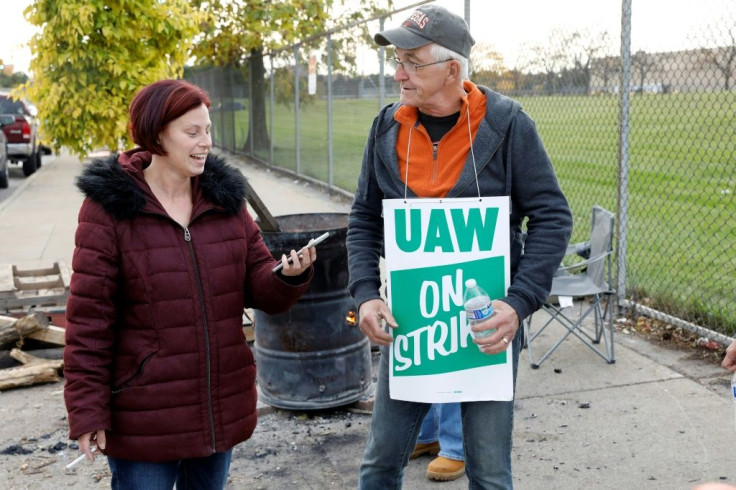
(430, 23)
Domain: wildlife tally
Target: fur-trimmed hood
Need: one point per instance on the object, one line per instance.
(117, 184)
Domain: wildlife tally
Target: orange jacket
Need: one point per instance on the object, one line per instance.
(433, 171)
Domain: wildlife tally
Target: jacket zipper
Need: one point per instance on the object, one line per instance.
(435, 164)
(188, 239)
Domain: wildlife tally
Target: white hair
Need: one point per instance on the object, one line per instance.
(442, 53)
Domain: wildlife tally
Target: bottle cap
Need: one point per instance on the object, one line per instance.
(470, 283)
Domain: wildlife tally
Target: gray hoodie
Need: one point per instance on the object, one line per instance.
(510, 160)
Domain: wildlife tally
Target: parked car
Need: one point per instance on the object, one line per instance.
(4, 172)
(22, 134)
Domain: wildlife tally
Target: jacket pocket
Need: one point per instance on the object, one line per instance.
(132, 378)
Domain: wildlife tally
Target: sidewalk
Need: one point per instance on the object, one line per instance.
(657, 418)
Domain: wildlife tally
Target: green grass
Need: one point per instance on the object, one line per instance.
(681, 234)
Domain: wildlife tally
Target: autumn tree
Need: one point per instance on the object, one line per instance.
(12, 80)
(92, 56)
(487, 65)
(239, 33)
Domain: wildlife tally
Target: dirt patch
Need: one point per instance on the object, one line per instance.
(672, 337)
(288, 446)
(290, 449)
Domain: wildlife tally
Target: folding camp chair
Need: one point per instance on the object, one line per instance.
(589, 281)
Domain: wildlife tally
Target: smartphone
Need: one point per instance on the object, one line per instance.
(316, 242)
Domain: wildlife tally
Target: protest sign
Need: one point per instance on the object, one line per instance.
(432, 247)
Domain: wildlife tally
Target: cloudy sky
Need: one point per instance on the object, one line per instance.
(658, 25)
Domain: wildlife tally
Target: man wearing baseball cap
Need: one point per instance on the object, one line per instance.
(449, 138)
(428, 24)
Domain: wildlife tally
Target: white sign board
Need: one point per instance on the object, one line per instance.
(432, 247)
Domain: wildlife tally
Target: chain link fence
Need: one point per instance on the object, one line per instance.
(642, 125)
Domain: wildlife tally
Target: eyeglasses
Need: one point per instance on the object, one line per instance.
(409, 66)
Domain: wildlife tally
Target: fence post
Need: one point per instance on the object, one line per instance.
(230, 70)
(296, 106)
(467, 21)
(215, 134)
(623, 148)
(381, 69)
(251, 118)
(330, 166)
(271, 104)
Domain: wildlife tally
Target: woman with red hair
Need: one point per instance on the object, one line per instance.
(158, 374)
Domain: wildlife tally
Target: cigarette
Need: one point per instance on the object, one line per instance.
(79, 459)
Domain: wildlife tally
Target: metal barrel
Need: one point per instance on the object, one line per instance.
(313, 356)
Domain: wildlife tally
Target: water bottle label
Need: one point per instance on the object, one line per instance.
(480, 314)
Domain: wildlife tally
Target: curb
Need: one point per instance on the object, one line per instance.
(26, 182)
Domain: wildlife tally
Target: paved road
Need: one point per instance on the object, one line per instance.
(17, 177)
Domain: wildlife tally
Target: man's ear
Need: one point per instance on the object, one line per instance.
(454, 71)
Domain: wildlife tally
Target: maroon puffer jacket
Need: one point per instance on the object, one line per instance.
(155, 352)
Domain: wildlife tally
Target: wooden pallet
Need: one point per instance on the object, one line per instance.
(33, 288)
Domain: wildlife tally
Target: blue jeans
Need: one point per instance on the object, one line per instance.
(487, 436)
(208, 473)
(443, 423)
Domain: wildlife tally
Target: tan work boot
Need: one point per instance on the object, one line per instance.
(431, 448)
(444, 469)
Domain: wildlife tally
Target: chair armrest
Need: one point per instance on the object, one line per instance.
(581, 249)
(585, 262)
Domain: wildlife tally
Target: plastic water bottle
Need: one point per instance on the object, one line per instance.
(733, 394)
(477, 305)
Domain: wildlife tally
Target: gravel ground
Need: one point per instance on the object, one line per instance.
(290, 449)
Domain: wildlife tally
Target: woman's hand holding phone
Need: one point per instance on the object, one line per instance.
(297, 262)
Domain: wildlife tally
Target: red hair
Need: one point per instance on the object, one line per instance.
(156, 105)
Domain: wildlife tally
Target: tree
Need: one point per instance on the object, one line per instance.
(607, 68)
(12, 80)
(487, 65)
(723, 59)
(238, 33)
(489, 69)
(548, 58)
(485, 59)
(583, 47)
(567, 59)
(642, 63)
(92, 56)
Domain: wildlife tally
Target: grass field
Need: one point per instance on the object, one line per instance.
(681, 231)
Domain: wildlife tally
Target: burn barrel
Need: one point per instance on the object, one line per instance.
(313, 356)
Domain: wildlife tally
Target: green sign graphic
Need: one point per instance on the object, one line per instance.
(433, 336)
(439, 230)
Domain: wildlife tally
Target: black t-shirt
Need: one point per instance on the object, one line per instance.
(437, 127)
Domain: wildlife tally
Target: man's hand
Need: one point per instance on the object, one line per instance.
(506, 322)
(729, 362)
(372, 314)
